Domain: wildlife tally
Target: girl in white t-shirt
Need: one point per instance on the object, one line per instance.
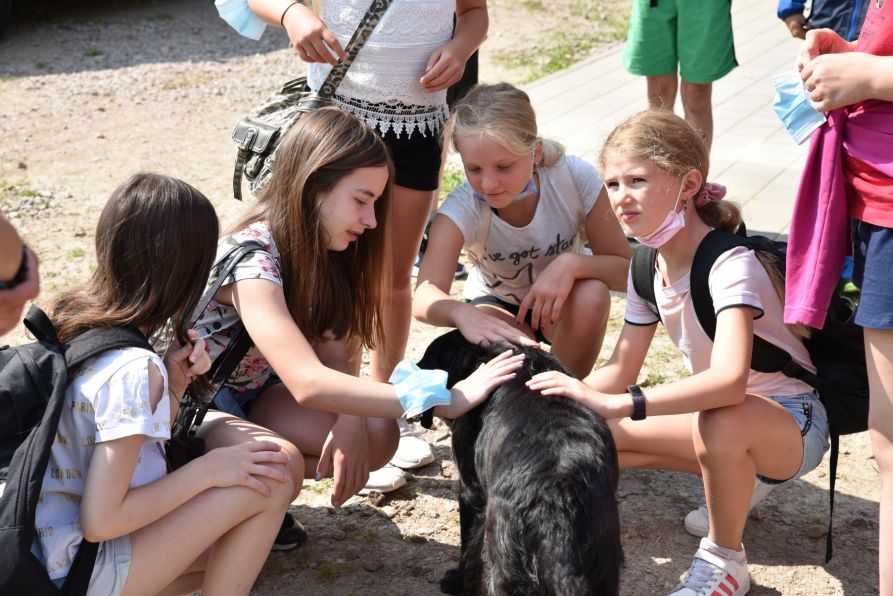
(106, 480)
(725, 422)
(520, 216)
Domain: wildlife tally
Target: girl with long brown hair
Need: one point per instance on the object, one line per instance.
(309, 300)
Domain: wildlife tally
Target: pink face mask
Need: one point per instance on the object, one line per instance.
(673, 222)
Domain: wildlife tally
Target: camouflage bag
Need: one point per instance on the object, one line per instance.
(258, 134)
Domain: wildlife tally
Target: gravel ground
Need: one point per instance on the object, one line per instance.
(91, 93)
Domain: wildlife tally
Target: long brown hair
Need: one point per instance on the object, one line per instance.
(325, 290)
(155, 244)
(674, 146)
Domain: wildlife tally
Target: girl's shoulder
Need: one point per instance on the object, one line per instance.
(258, 231)
(119, 362)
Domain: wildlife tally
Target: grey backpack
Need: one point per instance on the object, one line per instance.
(259, 134)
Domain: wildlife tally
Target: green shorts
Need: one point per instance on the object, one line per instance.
(695, 34)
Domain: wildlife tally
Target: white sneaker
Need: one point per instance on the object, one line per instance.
(413, 451)
(384, 480)
(697, 523)
(715, 570)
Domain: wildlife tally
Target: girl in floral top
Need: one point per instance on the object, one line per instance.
(309, 300)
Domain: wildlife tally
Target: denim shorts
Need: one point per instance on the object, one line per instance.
(812, 419)
(111, 569)
(872, 262)
(238, 403)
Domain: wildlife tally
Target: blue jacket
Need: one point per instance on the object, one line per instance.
(843, 16)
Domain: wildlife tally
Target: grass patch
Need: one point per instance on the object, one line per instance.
(41, 66)
(7, 78)
(93, 52)
(452, 177)
(77, 253)
(318, 488)
(161, 17)
(329, 572)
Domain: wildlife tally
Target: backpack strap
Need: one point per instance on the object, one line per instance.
(643, 269)
(765, 357)
(39, 324)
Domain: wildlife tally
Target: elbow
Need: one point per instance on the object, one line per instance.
(732, 387)
(97, 528)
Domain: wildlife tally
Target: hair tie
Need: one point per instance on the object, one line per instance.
(712, 191)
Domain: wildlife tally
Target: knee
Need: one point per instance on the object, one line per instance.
(881, 434)
(696, 97)
(588, 305)
(718, 433)
(295, 469)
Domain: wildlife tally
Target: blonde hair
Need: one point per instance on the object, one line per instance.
(504, 114)
(673, 145)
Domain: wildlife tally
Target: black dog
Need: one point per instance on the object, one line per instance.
(538, 477)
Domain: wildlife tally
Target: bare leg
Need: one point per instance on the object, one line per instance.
(879, 354)
(578, 336)
(697, 103)
(406, 223)
(735, 443)
(660, 442)
(662, 91)
(172, 552)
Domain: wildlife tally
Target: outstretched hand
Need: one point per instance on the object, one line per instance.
(478, 327)
(477, 387)
(345, 457)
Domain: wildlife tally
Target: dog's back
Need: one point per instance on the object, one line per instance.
(539, 474)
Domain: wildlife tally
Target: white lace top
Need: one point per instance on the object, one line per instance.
(382, 85)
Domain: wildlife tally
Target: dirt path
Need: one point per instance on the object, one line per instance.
(90, 94)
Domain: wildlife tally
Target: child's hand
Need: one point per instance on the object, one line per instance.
(818, 42)
(473, 390)
(547, 295)
(797, 25)
(345, 456)
(185, 363)
(445, 67)
(556, 383)
(479, 327)
(245, 464)
(310, 37)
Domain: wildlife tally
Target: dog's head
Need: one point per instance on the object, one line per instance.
(459, 358)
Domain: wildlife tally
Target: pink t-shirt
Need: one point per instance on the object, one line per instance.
(736, 279)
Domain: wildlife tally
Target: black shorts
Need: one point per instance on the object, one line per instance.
(416, 159)
(492, 300)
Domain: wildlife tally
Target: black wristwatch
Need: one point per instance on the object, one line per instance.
(20, 275)
(638, 402)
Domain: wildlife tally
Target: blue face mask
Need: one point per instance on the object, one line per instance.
(239, 16)
(793, 106)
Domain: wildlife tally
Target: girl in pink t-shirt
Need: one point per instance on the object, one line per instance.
(726, 422)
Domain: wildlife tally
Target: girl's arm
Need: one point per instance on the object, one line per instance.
(724, 383)
(261, 305)
(109, 508)
(308, 35)
(432, 303)
(610, 264)
(447, 63)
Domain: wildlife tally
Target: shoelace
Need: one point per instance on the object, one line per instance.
(700, 575)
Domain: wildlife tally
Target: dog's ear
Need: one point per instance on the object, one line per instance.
(454, 354)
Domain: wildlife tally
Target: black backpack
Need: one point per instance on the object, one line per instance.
(837, 350)
(33, 380)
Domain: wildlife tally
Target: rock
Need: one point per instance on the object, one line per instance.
(388, 511)
(372, 566)
(23, 165)
(349, 527)
(376, 498)
(859, 522)
(337, 534)
(416, 539)
(816, 531)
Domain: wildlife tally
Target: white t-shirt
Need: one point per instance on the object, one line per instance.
(107, 400)
(507, 260)
(736, 279)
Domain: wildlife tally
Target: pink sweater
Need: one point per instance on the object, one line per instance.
(820, 225)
